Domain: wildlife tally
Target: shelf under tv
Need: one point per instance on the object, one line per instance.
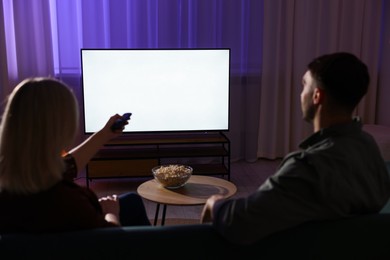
(134, 155)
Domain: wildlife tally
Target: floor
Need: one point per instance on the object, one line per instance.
(246, 176)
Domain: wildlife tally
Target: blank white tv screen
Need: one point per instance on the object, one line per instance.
(166, 90)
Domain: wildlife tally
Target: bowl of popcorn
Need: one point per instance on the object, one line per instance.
(172, 176)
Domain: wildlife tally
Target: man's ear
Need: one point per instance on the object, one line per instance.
(318, 96)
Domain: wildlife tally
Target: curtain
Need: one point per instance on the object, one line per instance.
(295, 32)
(383, 104)
(26, 36)
(271, 42)
(44, 37)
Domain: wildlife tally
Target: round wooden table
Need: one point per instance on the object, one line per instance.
(197, 190)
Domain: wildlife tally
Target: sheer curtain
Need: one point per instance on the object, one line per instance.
(271, 42)
(27, 42)
(44, 37)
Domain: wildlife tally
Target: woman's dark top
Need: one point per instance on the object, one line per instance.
(64, 207)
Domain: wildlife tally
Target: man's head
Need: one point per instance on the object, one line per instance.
(342, 76)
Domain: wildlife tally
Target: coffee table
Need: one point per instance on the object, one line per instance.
(197, 190)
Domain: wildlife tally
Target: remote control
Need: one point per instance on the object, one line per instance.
(119, 123)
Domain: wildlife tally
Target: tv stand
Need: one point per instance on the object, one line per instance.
(134, 155)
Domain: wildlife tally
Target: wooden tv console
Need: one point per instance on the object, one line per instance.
(134, 155)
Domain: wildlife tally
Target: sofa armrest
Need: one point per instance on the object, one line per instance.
(362, 237)
(141, 242)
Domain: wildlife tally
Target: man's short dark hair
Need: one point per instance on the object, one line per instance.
(343, 76)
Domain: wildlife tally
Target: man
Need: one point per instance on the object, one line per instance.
(338, 171)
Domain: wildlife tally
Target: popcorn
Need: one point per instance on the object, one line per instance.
(172, 175)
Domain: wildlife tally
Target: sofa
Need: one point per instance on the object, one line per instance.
(364, 237)
(357, 238)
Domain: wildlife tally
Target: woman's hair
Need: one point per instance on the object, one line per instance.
(40, 120)
(343, 76)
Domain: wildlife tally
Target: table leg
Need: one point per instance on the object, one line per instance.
(163, 215)
(156, 214)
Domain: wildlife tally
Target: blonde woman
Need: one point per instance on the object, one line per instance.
(37, 192)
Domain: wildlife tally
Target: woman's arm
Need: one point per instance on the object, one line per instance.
(87, 149)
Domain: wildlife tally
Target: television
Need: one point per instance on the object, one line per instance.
(166, 90)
